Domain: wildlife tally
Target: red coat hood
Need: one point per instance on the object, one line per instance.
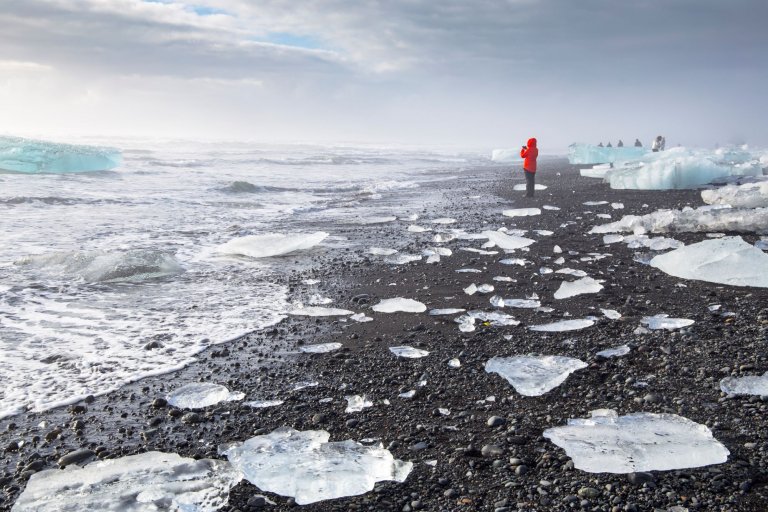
(532, 143)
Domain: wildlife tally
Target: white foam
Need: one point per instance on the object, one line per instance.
(521, 212)
(273, 244)
(399, 304)
(579, 287)
(408, 352)
(564, 325)
(320, 348)
(748, 385)
(662, 321)
(534, 375)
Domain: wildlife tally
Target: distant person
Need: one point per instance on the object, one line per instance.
(600, 145)
(638, 144)
(620, 144)
(529, 153)
(656, 146)
(609, 145)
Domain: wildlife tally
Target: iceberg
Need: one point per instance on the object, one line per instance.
(580, 286)
(198, 395)
(749, 385)
(507, 242)
(589, 154)
(728, 260)
(309, 468)
(320, 348)
(399, 304)
(608, 443)
(148, 481)
(273, 244)
(408, 352)
(534, 375)
(37, 156)
(564, 325)
(702, 219)
(748, 195)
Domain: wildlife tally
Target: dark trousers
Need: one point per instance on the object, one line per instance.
(530, 178)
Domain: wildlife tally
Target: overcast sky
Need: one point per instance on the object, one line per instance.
(471, 73)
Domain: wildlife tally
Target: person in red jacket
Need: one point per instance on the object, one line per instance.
(529, 153)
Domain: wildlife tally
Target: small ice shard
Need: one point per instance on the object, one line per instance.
(608, 443)
(440, 238)
(504, 279)
(534, 375)
(749, 385)
(356, 403)
(381, 251)
(484, 288)
(514, 261)
(545, 270)
(612, 239)
(263, 404)
(494, 319)
(762, 244)
(411, 217)
(617, 206)
(454, 363)
(433, 258)
(559, 261)
(611, 313)
(594, 203)
(563, 325)
(276, 244)
(148, 481)
(550, 207)
(443, 220)
(507, 242)
(361, 317)
(311, 282)
(521, 212)
(728, 260)
(571, 272)
(399, 304)
(198, 395)
(377, 220)
(305, 466)
(603, 216)
(319, 311)
(446, 311)
(317, 299)
(578, 287)
(500, 302)
(401, 259)
(443, 411)
(614, 352)
(408, 394)
(748, 195)
(408, 352)
(471, 289)
(469, 270)
(479, 251)
(543, 232)
(557, 249)
(320, 348)
(655, 244)
(662, 321)
(521, 186)
(413, 228)
(38, 156)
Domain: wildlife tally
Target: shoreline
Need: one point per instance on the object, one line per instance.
(686, 367)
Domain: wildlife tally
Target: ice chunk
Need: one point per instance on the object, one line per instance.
(408, 394)
(413, 228)
(320, 348)
(356, 403)
(305, 466)
(275, 244)
(454, 363)
(361, 317)
(748, 195)
(514, 261)
(479, 251)
(485, 288)
(507, 242)
(662, 321)
(617, 206)
(705, 218)
(521, 187)
(399, 304)
(377, 220)
(728, 260)
(148, 481)
(303, 384)
(469, 271)
(594, 203)
(319, 311)
(506, 155)
(447, 311)
(578, 287)
(494, 319)
(317, 299)
(521, 212)
(263, 404)
(571, 272)
(504, 279)
(545, 270)
(402, 259)
(550, 207)
(500, 302)
(39, 156)
(408, 352)
(471, 289)
(749, 385)
(381, 251)
(612, 239)
(443, 220)
(611, 313)
(543, 232)
(198, 395)
(659, 243)
(596, 171)
(608, 443)
(564, 325)
(589, 154)
(534, 375)
(614, 352)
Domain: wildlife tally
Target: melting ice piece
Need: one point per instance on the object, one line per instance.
(500, 302)
(469, 270)
(611, 313)
(612, 239)
(263, 404)
(479, 251)
(471, 289)
(446, 311)
(484, 288)
(408, 352)
(507, 242)
(361, 317)
(550, 207)
(377, 220)
(317, 299)
(578, 287)
(748, 195)
(617, 206)
(590, 154)
(494, 319)
(608, 443)
(148, 481)
(401, 259)
(399, 304)
(614, 352)
(659, 243)
(454, 363)
(571, 272)
(521, 212)
(276, 244)
(305, 466)
(413, 228)
(506, 156)
(603, 216)
(749, 385)
(382, 251)
(662, 321)
(443, 220)
(702, 219)
(310, 282)
(564, 325)
(408, 394)
(543, 232)
(320, 348)
(303, 384)
(198, 395)
(514, 261)
(521, 186)
(728, 260)
(319, 311)
(545, 270)
(534, 375)
(356, 403)
(594, 203)
(504, 279)
(38, 156)
(440, 238)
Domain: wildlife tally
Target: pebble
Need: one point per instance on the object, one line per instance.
(496, 421)
(191, 418)
(640, 478)
(76, 457)
(522, 469)
(589, 492)
(492, 450)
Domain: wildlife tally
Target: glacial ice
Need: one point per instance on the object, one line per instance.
(550, 207)
(506, 155)
(441, 238)
(563, 325)
(589, 154)
(408, 352)
(594, 203)
(381, 251)
(402, 258)
(320, 348)
(521, 212)
(504, 279)
(521, 187)
(596, 171)
(454, 363)
(611, 313)
(407, 394)
(471, 289)
(319, 311)
(263, 404)
(749, 385)
(619, 351)
(443, 220)
(612, 239)
(469, 271)
(534, 375)
(571, 272)
(274, 244)
(608, 443)
(702, 219)
(361, 317)
(136, 483)
(356, 403)
(494, 319)
(500, 302)
(413, 228)
(446, 311)
(514, 261)
(38, 156)
(580, 286)
(479, 251)
(507, 242)
(658, 243)
(305, 466)
(198, 395)
(662, 321)
(748, 195)
(728, 260)
(399, 304)
(377, 220)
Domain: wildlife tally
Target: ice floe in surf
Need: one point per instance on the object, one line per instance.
(748, 385)
(702, 219)
(579, 287)
(608, 443)
(198, 395)
(748, 195)
(521, 212)
(263, 404)
(521, 187)
(500, 302)
(507, 242)
(564, 325)
(309, 468)
(611, 313)
(446, 311)
(619, 351)
(728, 260)
(319, 311)
(32, 156)
(494, 319)
(381, 251)
(413, 228)
(399, 304)
(275, 244)
(320, 348)
(356, 403)
(402, 259)
(408, 352)
(662, 321)
(148, 481)
(534, 375)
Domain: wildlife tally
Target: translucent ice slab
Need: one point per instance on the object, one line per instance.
(501, 302)
(408, 352)
(319, 311)
(662, 321)
(38, 156)
(399, 304)
(564, 325)
(608, 443)
(494, 319)
(749, 195)
(589, 154)
(275, 244)
(702, 219)
(356, 403)
(534, 375)
(521, 212)
(521, 187)
(506, 155)
(578, 287)
(136, 483)
(305, 466)
(619, 351)
(198, 395)
(749, 385)
(507, 242)
(320, 348)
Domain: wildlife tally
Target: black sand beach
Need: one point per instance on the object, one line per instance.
(509, 466)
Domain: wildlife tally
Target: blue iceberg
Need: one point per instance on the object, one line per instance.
(37, 156)
(589, 154)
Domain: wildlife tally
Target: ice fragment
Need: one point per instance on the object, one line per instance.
(534, 375)
(563, 325)
(38, 156)
(662, 321)
(399, 304)
(521, 212)
(408, 352)
(614, 352)
(578, 287)
(276, 244)
(320, 348)
(356, 403)
(198, 395)
(749, 385)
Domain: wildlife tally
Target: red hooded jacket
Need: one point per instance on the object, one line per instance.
(530, 153)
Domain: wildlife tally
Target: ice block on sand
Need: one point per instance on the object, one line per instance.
(39, 156)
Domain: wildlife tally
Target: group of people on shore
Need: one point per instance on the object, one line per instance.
(659, 143)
